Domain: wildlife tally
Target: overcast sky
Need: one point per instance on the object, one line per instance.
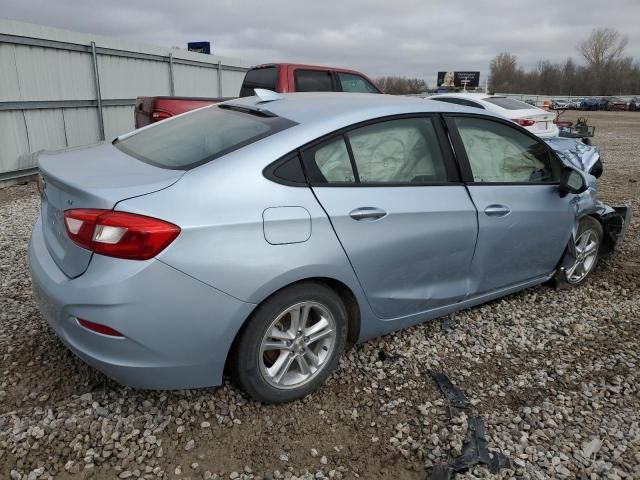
(402, 37)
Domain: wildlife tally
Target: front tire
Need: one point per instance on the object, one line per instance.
(576, 269)
(291, 343)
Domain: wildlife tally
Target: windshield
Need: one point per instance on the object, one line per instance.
(197, 137)
(508, 103)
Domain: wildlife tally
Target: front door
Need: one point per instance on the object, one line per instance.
(405, 222)
(513, 178)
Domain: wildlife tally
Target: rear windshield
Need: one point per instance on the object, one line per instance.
(200, 136)
(263, 77)
(508, 103)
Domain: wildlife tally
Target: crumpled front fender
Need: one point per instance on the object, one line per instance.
(614, 221)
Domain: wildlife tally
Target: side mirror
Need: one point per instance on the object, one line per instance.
(572, 181)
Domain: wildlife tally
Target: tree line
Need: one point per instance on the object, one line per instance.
(606, 70)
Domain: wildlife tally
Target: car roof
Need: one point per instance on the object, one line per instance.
(342, 109)
(308, 67)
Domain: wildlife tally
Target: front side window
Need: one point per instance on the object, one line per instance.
(355, 83)
(499, 153)
(313, 81)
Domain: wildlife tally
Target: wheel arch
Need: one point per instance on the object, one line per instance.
(345, 293)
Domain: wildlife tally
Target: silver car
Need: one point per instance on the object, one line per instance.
(260, 235)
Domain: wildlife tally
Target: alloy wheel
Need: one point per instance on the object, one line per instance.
(297, 345)
(586, 256)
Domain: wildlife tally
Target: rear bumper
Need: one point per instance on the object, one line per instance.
(177, 330)
(551, 132)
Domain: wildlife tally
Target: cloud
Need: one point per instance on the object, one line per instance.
(405, 37)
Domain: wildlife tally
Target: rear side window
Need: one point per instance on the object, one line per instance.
(313, 81)
(508, 103)
(263, 77)
(197, 137)
(330, 163)
(355, 83)
(400, 152)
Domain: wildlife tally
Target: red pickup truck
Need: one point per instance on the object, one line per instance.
(279, 77)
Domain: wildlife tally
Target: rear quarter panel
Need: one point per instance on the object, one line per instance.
(220, 208)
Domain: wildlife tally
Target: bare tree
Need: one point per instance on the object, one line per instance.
(401, 85)
(603, 47)
(504, 73)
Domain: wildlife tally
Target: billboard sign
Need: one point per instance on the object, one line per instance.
(458, 79)
(199, 47)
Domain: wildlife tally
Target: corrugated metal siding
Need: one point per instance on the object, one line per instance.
(33, 68)
(117, 120)
(9, 83)
(46, 129)
(81, 125)
(121, 77)
(231, 83)
(51, 74)
(13, 141)
(196, 81)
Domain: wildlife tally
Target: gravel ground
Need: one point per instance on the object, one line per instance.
(554, 373)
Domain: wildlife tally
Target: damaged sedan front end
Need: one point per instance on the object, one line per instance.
(614, 220)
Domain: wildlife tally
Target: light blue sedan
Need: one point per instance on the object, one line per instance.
(260, 235)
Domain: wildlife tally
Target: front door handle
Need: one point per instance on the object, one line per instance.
(497, 211)
(367, 213)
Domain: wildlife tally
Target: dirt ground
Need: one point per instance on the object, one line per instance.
(554, 374)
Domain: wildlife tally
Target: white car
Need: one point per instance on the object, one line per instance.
(534, 119)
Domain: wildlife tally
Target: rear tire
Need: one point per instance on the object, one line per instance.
(291, 343)
(588, 241)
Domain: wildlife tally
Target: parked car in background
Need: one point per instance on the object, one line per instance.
(534, 119)
(559, 104)
(576, 103)
(218, 239)
(634, 104)
(616, 104)
(278, 77)
(590, 104)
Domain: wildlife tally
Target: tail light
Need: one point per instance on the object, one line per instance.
(158, 115)
(119, 234)
(523, 123)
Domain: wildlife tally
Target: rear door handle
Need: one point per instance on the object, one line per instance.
(367, 213)
(497, 211)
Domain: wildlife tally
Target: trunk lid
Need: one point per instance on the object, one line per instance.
(544, 120)
(97, 176)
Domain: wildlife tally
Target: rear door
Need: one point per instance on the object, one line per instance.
(513, 179)
(403, 217)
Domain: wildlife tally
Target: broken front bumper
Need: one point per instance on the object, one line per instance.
(614, 225)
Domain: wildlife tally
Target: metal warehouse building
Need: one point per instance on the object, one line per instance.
(62, 89)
